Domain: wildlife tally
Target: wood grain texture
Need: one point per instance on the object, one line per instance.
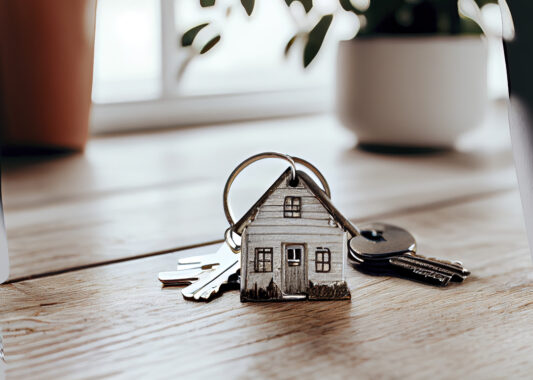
(142, 194)
(116, 320)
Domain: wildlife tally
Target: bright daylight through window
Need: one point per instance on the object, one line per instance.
(246, 75)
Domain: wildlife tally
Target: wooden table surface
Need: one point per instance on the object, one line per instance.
(88, 234)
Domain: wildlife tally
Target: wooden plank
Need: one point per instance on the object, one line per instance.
(133, 162)
(135, 195)
(115, 320)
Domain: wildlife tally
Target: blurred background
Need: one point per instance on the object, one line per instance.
(120, 121)
(247, 66)
(137, 56)
(144, 77)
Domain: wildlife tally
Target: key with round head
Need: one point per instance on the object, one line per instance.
(384, 249)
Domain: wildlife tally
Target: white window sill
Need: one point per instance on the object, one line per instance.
(186, 111)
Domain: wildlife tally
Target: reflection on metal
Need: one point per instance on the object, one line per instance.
(387, 250)
(205, 274)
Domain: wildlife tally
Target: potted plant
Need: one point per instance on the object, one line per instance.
(416, 75)
(413, 76)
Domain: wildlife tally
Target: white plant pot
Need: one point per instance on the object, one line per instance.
(412, 91)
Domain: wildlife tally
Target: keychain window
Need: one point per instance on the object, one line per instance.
(323, 260)
(263, 259)
(292, 207)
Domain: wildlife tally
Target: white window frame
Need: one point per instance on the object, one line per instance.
(172, 110)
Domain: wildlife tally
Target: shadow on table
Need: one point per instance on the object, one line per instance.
(444, 158)
(317, 329)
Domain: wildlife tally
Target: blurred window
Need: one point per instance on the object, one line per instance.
(137, 60)
(245, 76)
(127, 60)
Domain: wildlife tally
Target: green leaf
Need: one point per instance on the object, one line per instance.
(315, 38)
(347, 6)
(379, 12)
(468, 26)
(212, 42)
(248, 6)
(308, 4)
(207, 3)
(482, 3)
(189, 36)
(289, 44)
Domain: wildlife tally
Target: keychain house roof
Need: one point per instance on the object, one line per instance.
(294, 244)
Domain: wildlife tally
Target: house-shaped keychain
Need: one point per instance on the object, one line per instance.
(294, 244)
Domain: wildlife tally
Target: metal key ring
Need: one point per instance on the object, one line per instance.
(291, 160)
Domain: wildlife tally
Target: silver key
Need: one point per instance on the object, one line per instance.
(205, 274)
(384, 249)
(189, 270)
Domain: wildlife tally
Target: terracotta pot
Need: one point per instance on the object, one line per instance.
(46, 56)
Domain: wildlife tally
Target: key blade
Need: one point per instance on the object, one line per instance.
(229, 264)
(416, 270)
(199, 266)
(201, 261)
(212, 282)
(458, 272)
(206, 293)
(182, 277)
(214, 287)
(174, 279)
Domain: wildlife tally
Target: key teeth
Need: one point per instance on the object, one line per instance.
(197, 296)
(204, 295)
(194, 296)
(211, 292)
(462, 276)
(207, 294)
(444, 282)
